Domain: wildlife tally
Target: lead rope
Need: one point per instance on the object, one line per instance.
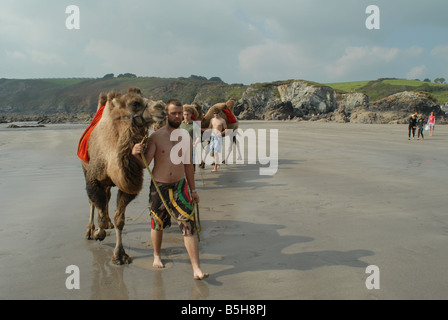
(194, 214)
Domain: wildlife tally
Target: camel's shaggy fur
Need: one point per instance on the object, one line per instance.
(125, 122)
(222, 105)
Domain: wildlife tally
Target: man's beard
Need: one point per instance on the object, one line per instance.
(173, 124)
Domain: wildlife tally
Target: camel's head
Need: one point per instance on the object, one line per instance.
(198, 108)
(155, 110)
(141, 111)
(194, 112)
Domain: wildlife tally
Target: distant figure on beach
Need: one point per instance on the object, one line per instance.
(420, 126)
(187, 124)
(218, 126)
(412, 126)
(172, 181)
(431, 123)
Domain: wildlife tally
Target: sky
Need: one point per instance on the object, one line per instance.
(239, 41)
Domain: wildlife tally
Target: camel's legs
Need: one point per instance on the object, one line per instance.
(203, 157)
(106, 212)
(227, 154)
(235, 144)
(91, 225)
(123, 199)
(99, 197)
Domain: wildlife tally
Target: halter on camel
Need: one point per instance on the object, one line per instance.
(194, 214)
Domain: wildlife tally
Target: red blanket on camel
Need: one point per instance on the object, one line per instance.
(84, 141)
(230, 117)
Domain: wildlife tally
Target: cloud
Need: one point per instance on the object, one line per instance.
(440, 51)
(179, 59)
(34, 56)
(239, 41)
(275, 61)
(417, 72)
(361, 58)
(375, 61)
(112, 55)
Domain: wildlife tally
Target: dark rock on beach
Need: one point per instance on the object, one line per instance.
(83, 117)
(14, 126)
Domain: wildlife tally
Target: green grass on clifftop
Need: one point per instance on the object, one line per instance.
(382, 88)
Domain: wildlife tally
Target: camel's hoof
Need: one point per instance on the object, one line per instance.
(121, 259)
(99, 235)
(89, 234)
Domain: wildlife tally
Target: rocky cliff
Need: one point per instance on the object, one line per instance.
(297, 99)
(75, 100)
(397, 108)
(303, 100)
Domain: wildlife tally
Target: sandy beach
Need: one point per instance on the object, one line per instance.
(344, 197)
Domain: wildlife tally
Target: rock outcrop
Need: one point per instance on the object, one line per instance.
(14, 126)
(310, 101)
(350, 101)
(396, 108)
(308, 98)
(296, 99)
(84, 117)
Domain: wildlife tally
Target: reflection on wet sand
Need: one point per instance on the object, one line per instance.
(108, 279)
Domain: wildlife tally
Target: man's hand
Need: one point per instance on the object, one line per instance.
(195, 196)
(138, 149)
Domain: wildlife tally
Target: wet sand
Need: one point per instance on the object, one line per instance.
(345, 196)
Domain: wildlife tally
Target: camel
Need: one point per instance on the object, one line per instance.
(194, 108)
(223, 107)
(196, 111)
(226, 109)
(124, 122)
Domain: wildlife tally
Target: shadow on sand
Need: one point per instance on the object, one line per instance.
(240, 176)
(235, 246)
(246, 247)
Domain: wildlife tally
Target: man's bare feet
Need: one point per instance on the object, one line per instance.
(158, 262)
(201, 276)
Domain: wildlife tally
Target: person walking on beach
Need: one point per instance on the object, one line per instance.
(412, 126)
(431, 123)
(218, 126)
(172, 180)
(187, 124)
(420, 126)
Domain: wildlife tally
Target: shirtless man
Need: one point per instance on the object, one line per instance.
(218, 126)
(171, 179)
